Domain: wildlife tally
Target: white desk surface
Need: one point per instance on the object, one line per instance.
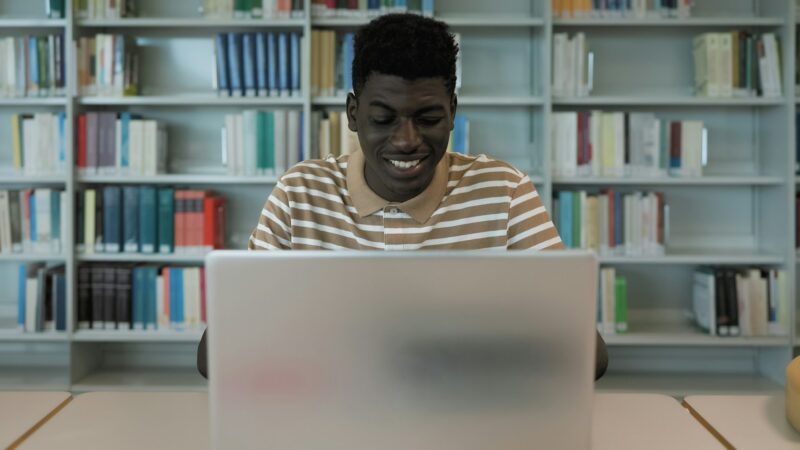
(127, 420)
(135, 420)
(747, 421)
(21, 411)
(646, 421)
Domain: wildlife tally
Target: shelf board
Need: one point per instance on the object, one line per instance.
(192, 336)
(684, 334)
(466, 100)
(665, 100)
(467, 20)
(711, 180)
(31, 257)
(20, 336)
(194, 258)
(142, 379)
(189, 100)
(28, 23)
(177, 179)
(670, 22)
(32, 101)
(22, 179)
(722, 258)
(154, 22)
(684, 384)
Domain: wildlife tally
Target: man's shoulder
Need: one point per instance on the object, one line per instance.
(479, 168)
(331, 171)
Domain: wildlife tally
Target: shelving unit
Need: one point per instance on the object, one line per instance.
(740, 213)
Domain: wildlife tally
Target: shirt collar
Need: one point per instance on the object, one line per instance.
(420, 208)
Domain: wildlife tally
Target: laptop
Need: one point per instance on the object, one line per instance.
(401, 350)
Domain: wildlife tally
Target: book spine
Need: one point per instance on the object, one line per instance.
(166, 214)
(130, 222)
(112, 219)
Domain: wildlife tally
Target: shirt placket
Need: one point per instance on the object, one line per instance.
(392, 220)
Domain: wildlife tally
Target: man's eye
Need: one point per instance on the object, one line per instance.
(383, 120)
(429, 121)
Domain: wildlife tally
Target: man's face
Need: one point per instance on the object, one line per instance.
(403, 127)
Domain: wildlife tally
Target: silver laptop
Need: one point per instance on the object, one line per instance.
(406, 350)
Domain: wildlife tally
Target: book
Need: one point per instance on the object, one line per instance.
(33, 66)
(113, 59)
(258, 64)
(32, 221)
(736, 64)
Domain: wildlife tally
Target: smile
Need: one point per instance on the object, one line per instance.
(404, 164)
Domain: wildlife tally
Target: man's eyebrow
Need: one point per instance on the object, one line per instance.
(380, 104)
(423, 110)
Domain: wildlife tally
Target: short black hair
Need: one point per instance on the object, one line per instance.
(409, 46)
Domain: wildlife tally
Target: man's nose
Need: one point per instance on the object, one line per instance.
(406, 138)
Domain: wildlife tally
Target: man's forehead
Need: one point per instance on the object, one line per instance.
(390, 87)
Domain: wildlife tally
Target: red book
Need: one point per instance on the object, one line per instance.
(219, 223)
(331, 4)
(587, 135)
(203, 295)
(165, 312)
(81, 157)
(352, 4)
(611, 229)
(675, 145)
(180, 222)
(581, 135)
(213, 223)
(195, 219)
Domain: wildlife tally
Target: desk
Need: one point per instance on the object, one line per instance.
(127, 420)
(22, 412)
(746, 421)
(646, 421)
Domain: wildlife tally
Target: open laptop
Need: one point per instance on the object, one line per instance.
(401, 350)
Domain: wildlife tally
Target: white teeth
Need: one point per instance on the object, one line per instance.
(405, 164)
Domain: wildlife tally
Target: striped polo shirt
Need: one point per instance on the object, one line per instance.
(473, 202)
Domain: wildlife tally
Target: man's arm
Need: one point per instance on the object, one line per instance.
(530, 227)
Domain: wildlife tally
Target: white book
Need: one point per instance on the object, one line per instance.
(239, 158)
(4, 71)
(229, 144)
(595, 124)
(569, 68)
(725, 68)
(152, 154)
(581, 77)
(703, 57)
(270, 8)
(773, 87)
(280, 141)
(162, 320)
(743, 298)
(189, 286)
(62, 238)
(31, 303)
(293, 137)
(758, 303)
(43, 219)
(30, 147)
(161, 148)
(602, 221)
(5, 223)
(559, 64)
(704, 301)
(691, 149)
(249, 125)
(619, 144)
(135, 146)
(584, 238)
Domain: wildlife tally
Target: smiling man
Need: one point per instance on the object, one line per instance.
(403, 190)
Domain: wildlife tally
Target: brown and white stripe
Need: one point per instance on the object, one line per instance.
(473, 202)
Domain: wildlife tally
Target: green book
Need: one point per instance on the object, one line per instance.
(55, 9)
(148, 235)
(166, 217)
(241, 9)
(363, 5)
(576, 220)
(261, 142)
(269, 160)
(415, 6)
(621, 304)
(44, 66)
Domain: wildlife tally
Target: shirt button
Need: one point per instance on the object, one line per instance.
(393, 210)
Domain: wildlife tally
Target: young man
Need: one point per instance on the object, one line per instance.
(403, 190)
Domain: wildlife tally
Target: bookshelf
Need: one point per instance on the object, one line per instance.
(739, 213)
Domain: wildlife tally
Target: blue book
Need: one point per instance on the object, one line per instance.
(427, 8)
(618, 219)
(283, 64)
(124, 141)
(249, 64)
(272, 63)
(33, 60)
(62, 139)
(261, 64)
(565, 216)
(401, 5)
(21, 297)
(112, 219)
(174, 274)
(223, 85)
(148, 210)
(130, 218)
(32, 209)
(294, 84)
(138, 298)
(348, 61)
(55, 217)
(235, 63)
(374, 5)
(60, 301)
(150, 314)
(178, 299)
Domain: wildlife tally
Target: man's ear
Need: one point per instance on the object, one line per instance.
(351, 109)
(453, 108)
